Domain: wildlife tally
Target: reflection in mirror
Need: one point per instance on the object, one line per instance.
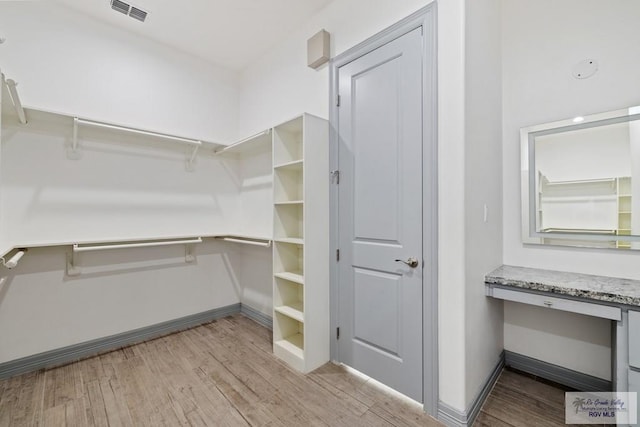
(578, 181)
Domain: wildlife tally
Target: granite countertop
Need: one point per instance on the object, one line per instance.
(586, 286)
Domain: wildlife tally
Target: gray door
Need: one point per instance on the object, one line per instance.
(380, 214)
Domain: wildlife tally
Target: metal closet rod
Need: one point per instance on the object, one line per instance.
(78, 248)
(247, 241)
(138, 131)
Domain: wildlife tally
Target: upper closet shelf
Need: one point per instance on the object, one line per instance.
(253, 143)
(73, 152)
(194, 143)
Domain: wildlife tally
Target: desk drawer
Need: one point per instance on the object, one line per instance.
(589, 309)
(634, 339)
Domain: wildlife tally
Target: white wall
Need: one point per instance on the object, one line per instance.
(256, 219)
(280, 85)
(542, 41)
(121, 188)
(602, 152)
(42, 309)
(483, 187)
(67, 62)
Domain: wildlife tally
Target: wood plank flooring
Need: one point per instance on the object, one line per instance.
(219, 374)
(520, 400)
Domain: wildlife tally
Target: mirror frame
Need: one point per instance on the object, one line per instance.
(528, 135)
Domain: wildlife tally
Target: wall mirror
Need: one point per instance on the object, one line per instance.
(581, 181)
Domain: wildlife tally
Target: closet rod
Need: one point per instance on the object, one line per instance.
(78, 248)
(138, 131)
(242, 141)
(265, 244)
(11, 85)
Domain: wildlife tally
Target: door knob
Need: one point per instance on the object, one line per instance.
(411, 262)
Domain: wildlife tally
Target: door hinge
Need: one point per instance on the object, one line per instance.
(337, 254)
(338, 333)
(335, 176)
(337, 100)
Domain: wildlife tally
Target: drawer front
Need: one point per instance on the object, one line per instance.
(589, 309)
(634, 339)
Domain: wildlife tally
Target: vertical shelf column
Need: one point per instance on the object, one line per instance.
(301, 242)
(623, 191)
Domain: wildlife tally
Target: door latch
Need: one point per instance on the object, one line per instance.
(411, 262)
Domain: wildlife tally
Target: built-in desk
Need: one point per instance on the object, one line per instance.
(607, 297)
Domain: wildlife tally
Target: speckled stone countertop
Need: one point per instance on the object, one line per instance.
(586, 286)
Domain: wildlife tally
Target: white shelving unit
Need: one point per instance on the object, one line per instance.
(561, 207)
(301, 242)
(623, 186)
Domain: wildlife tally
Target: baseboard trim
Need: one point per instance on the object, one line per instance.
(257, 316)
(62, 356)
(558, 374)
(455, 418)
(450, 416)
(474, 408)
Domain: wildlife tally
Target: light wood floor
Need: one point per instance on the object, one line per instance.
(519, 400)
(219, 374)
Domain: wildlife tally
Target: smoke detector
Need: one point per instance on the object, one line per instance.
(127, 9)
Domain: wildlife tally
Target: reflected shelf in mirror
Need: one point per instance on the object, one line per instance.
(577, 181)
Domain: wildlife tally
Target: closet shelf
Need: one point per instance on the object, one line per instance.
(253, 143)
(52, 243)
(293, 165)
(293, 310)
(246, 240)
(293, 344)
(291, 276)
(292, 240)
(77, 124)
(289, 202)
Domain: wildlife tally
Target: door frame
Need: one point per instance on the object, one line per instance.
(424, 18)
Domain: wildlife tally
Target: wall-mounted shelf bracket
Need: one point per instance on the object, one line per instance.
(11, 86)
(72, 267)
(74, 153)
(192, 159)
(189, 255)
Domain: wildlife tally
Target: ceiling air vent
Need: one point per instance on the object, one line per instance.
(120, 6)
(138, 14)
(127, 9)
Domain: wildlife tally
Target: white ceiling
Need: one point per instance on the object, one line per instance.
(231, 33)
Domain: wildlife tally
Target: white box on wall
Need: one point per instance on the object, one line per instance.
(318, 49)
